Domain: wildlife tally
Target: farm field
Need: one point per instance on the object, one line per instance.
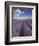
(22, 27)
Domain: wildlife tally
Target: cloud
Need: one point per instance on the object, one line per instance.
(23, 12)
(20, 14)
(17, 12)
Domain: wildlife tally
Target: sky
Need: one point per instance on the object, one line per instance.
(21, 12)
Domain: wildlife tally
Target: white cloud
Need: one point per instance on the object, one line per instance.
(23, 12)
(17, 12)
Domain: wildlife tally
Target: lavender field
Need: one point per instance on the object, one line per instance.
(22, 27)
(22, 21)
